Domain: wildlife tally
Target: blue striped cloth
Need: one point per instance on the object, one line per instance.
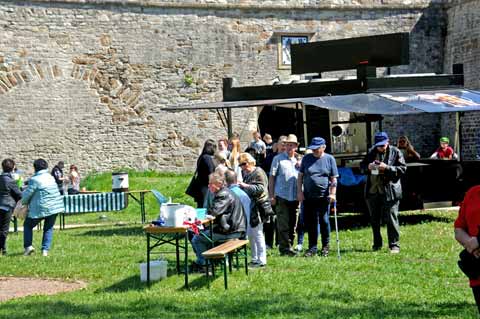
(97, 202)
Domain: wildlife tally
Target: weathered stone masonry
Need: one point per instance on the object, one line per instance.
(86, 81)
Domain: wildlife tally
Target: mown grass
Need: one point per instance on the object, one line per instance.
(421, 282)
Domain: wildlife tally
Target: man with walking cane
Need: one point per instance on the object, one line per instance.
(316, 187)
(384, 165)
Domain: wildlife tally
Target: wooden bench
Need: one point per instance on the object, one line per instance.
(224, 254)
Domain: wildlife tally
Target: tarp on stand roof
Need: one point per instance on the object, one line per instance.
(438, 101)
(385, 103)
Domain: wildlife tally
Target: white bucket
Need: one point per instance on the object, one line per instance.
(120, 182)
(158, 270)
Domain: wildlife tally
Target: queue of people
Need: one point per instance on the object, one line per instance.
(273, 195)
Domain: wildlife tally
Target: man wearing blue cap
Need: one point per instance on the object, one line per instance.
(384, 165)
(318, 176)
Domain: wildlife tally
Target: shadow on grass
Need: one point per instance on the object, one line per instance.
(338, 304)
(127, 284)
(357, 221)
(133, 283)
(118, 231)
(422, 218)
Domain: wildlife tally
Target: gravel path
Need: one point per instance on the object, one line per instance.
(17, 287)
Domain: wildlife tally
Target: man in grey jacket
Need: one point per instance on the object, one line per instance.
(384, 165)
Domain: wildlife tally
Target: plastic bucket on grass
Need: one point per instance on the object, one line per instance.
(158, 270)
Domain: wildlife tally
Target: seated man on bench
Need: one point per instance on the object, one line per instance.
(230, 221)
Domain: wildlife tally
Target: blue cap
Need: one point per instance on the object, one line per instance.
(380, 139)
(317, 142)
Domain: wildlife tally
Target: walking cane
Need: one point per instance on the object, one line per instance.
(336, 228)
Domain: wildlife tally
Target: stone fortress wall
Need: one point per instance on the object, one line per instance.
(87, 81)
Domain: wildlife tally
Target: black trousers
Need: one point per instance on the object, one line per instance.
(476, 294)
(270, 231)
(5, 217)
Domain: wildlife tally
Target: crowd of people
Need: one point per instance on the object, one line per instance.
(290, 194)
(41, 193)
(284, 194)
(271, 191)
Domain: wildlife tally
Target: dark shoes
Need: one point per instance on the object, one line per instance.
(256, 265)
(196, 268)
(313, 252)
(310, 253)
(376, 248)
(325, 251)
(289, 253)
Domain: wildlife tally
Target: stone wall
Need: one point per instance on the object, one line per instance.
(463, 46)
(88, 81)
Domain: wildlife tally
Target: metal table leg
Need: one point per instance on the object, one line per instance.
(177, 253)
(225, 261)
(236, 260)
(148, 259)
(186, 259)
(208, 270)
(246, 259)
(142, 207)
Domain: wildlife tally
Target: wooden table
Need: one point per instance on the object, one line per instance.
(171, 236)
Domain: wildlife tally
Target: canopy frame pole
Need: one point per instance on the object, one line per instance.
(229, 123)
(458, 134)
(305, 131)
(368, 125)
(298, 122)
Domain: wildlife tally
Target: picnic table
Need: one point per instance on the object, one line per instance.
(93, 201)
(158, 236)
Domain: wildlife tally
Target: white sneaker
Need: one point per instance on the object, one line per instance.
(28, 251)
(299, 248)
(44, 253)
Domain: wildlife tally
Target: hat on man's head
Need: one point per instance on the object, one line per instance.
(317, 142)
(444, 139)
(380, 139)
(291, 138)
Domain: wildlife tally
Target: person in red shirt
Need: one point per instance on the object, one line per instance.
(444, 152)
(467, 230)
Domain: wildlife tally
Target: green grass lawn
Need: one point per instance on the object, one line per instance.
(423, 281)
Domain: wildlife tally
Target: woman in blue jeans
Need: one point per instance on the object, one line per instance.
(44, 203)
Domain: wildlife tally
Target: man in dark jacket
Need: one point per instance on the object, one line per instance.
(230, 221)
(384, 165)
(57, 173)
(9, 196)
